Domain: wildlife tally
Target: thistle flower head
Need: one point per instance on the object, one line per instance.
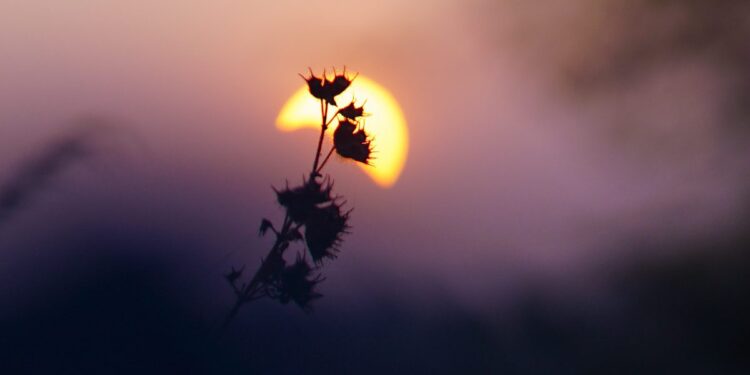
(351, 142)
(324, 229)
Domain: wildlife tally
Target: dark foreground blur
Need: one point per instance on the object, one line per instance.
(134, 315)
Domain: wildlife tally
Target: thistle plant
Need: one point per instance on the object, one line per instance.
(315, 219)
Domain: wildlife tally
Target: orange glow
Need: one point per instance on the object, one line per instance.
(385, 123)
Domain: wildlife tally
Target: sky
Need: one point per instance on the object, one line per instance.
(551, 144)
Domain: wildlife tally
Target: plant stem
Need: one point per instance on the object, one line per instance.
(323, 164)
(248, 293)
(251, 291)
(323, 127)
(331, 119)
(230, 316)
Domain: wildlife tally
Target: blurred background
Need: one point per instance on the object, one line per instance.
(575, 198)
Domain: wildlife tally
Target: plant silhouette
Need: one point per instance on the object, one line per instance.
(314, 217)
(35, 174)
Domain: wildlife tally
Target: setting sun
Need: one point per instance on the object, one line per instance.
(385, 122)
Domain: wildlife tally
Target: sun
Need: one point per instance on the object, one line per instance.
(385, 123)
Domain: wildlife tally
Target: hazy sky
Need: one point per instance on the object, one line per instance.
(546, 138)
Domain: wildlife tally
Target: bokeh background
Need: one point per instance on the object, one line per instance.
(575, 198)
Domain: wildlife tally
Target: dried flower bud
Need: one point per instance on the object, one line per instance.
(265, 225)
(352, 143)
(302, 200)
(323, 88)
(338, 85)
(271, 267)
(294, 235)
(351, 111)
(233, 275)
(315, 85)
(298, 284)
(323, 231)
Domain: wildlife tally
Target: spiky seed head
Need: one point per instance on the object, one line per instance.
(351, 142)
(265, 225)
(234, 274)
(323, 88)
(300, 201)
(315, 85)
(351, 111)
(324, 231)
(297, 283)
(272, 267)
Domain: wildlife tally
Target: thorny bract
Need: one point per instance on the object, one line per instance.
(314, 217)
